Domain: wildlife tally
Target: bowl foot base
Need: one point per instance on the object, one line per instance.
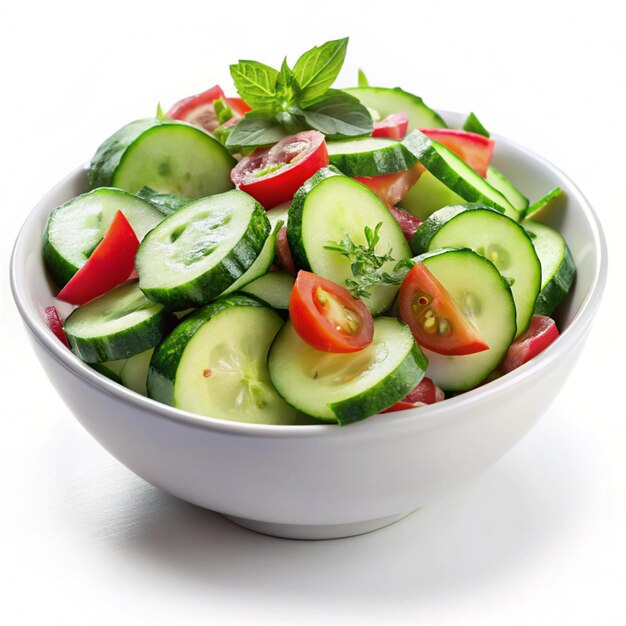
(316, 531)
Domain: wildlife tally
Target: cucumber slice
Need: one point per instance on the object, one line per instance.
(75, 228)
(110, 369)
(167, 156)
(455, 174)
(500, 182)
(134, 373)
(345, 388)
(473, 125)
(166, 203)
(557, 266)
(493, 235)
(280, 212)
(215, 363)
(116, 325)
(193, 255)
(428, 195)
(486, 298)
(536, 210)
(386, 101)
(273, 288)
(261, 264)
(329, 207)
(369, 156)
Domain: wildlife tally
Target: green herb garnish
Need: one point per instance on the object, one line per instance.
(367, 266)
(289, 100)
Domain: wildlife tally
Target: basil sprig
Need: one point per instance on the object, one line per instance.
(289, 100)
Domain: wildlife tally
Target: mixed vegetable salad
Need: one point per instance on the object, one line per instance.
(300, 253)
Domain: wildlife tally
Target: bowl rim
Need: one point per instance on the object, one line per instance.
(437, 414)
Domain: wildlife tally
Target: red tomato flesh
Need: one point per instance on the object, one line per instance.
(198, 110)
(273, 175)
(283, 252)
(540, 334)
(425, 393)
(408, 223)
(55, 325)
(109, 265)
(327, 316)
(391, 188)
(393, 126)
(238, 105)
(434, 317)
(476, 150)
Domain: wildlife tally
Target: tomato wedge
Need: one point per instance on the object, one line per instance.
(391, 188)
(239, 106)
(435, 319)
(425, 393)
(476, 150)
(55, 325)
(283, 252)
(109, 265)
(408, 223)
(540, 334)
(393, 126)
(327, 316)
(198, 110)
(273, 175)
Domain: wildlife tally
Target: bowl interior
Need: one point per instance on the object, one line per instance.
(571, 215)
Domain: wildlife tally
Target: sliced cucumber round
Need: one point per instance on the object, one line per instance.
(196, 253)
(452, 172)
(345, 388)
(485, 297)
(261, 264)
(369, 156)
(117, 325)
(386, 101)
(134, 373)
(500, 182)
(273, 288)
(215, 363)
(110, 369)
(428, 195)
(167, 156)
(536, 210)
(75, 228)
(493, 235)
(280, 212)
(326, 210)
(166, 203)
(557, 266)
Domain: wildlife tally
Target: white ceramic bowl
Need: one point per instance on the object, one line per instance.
(321, 481)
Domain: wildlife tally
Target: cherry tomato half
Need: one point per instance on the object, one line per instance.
(476, 150)
(327, 316)
(540, 334)
(391, 188)
(393, 126)
(435, 319)
(273, 175)
(55, 325)
(109, 265)
(198, 110)
(407, 222)
(283, 252)
(425, 393)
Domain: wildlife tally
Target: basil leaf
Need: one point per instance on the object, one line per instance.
(257, 128)
(256, 83)
(285, 87)
(363, 82)
(338, 115)
(292, 120)
(316, 70)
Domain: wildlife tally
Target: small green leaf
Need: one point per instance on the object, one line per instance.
(285, 88)
(257, 128)
(363, 82)
(316, 70)
(222, 110)
(338, 115)
(256, 83)
(472, 125)
(160, 114)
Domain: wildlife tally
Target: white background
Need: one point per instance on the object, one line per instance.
(539, 538)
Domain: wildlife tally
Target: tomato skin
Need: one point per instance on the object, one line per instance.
(423, 298)
(283, 252)
(313, 318)
(290, 162)
(239, 106)
(394, 126)
(476, 150)
(109, 265)
(198, 109)
(55, 325)
(540, 334)
(407, 222)
(391, 188)
(425, 393)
